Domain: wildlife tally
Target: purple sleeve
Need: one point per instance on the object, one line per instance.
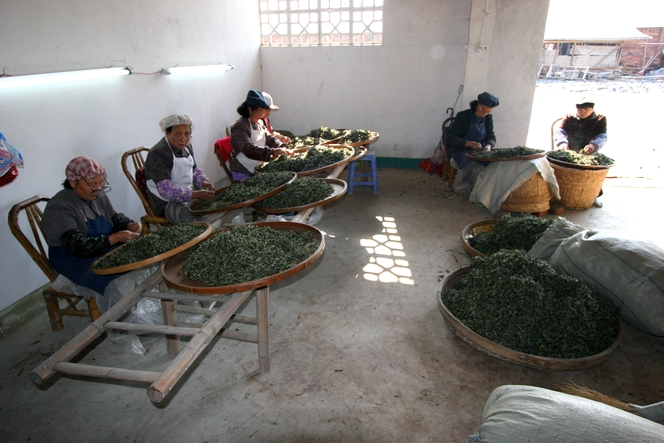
(171, 192)
(199, 178)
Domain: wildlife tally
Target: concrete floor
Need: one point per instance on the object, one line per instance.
(360, 352)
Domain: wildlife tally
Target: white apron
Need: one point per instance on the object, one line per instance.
(182, 173)
(257, 138)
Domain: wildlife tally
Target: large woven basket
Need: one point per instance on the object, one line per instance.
(532, 196)
(579, 187)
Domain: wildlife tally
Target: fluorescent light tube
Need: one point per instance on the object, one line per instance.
(16, 81)
(207, 69)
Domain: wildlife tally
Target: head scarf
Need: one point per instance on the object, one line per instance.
(175, 119)
(83, 167)
(268, 99)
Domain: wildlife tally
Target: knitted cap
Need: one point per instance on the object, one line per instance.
(256, 99)
(488, 100)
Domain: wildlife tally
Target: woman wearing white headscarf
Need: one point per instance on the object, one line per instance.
(80, 224)
(173, 179)
(266, 120)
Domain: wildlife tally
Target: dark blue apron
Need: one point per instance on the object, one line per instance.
(476, 133)
(77, 269)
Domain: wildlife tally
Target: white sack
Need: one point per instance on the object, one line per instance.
(630, 272)
(516, 414)
(560, 230)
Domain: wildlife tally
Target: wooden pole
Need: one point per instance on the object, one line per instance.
(165, 383)
(106, 372)
(170, 317)
(46, 370)
(263, 314)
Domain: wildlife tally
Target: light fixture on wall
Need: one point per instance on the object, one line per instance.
(206, 69)
(15, 81)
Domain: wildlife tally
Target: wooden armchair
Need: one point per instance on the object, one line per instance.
(448, 171)
(137, 181)
(553, 129)
(36, 250)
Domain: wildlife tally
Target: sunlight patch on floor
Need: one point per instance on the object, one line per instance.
(386, 262)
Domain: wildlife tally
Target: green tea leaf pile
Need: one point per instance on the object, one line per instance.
(522, 303)
(301, 192)
(324, 134)
(148, 246)
(316, 136)
(314, 158)
(247, 253)
(245, 190)
(511, 233)
(357, 136)
(597, 159)
(518, 151)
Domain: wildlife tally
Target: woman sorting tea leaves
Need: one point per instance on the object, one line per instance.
(80, 224)
(252, 142)
(173, 179)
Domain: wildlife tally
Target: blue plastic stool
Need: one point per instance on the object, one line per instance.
(370, 157)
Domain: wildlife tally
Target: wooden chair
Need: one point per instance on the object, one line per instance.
(224, 152)
(448, 171)
(137, 181)
(37, 251)
(553, 129)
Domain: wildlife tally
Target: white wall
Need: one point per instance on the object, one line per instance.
(104, 118)
(403, 88)
(400, 89)
(515, 53)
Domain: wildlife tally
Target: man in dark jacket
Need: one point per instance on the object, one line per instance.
(584, 131)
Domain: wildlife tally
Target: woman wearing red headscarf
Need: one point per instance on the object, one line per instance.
(80, 224)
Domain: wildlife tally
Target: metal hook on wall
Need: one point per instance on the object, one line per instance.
(450, 111)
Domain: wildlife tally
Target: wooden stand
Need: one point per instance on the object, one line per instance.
(218, 323)
(161, 383)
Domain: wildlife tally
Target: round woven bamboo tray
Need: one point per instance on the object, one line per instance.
(500, 352)
(373, 139)
(173, 269)
(578, 187)
(346, 160)
(156, 258)
(578, 166)
(505, 159)
(243, 204)
(360, 151)
(534, 195)
(339, 186)
(472, 230)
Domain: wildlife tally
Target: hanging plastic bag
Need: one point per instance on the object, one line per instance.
(10, 158)
(438, 157)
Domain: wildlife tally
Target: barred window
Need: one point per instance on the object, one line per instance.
(321, 22)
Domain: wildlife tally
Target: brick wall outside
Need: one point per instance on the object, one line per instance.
(635, 55)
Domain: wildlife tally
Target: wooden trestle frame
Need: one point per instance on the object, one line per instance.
(161, 383)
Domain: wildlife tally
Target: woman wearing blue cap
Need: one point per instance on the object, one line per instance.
(472, 129)
(252, 142)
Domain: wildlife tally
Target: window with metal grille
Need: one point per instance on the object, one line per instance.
(321, 22)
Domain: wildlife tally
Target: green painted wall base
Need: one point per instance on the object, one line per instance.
(398, 163)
